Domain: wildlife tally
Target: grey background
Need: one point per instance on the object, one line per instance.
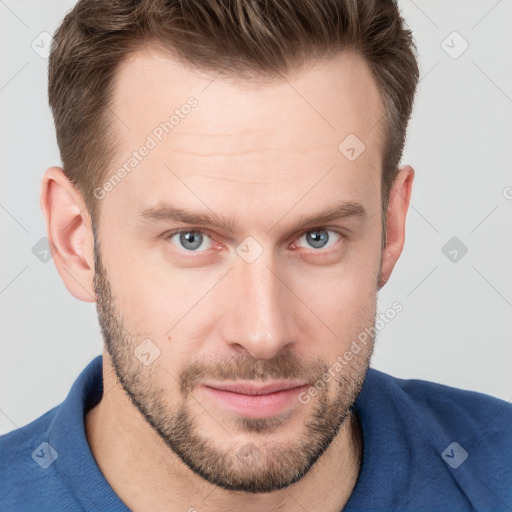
(456, 323)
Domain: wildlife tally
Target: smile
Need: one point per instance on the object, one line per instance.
(256, 401)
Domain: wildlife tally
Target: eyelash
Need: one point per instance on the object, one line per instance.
(168, 237)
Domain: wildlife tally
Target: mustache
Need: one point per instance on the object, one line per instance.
(235, 367)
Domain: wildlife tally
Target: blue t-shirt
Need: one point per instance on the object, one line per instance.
(426, 447)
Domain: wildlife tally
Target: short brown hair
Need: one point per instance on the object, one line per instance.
(240, 38)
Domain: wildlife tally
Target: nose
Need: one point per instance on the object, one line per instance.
(260, 312)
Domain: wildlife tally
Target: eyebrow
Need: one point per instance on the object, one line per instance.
(162, 212)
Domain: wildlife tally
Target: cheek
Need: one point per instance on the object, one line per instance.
(343, 302)
(343, 299)
(167, 304)
(345, 287)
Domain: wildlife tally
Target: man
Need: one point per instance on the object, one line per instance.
(231, 198)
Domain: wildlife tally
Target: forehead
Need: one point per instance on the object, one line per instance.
(326, 100)
(242, 133)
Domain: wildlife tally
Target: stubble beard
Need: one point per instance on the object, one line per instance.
(258, 464)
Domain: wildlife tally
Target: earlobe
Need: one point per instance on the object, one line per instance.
(398, 205)
(68, 225)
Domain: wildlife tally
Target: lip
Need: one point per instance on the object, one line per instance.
(256, 400)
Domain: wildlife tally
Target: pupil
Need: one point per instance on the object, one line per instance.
(318, 238)
(187, 240)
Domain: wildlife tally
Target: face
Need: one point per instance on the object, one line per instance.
(237, 260)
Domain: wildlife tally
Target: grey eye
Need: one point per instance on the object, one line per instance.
(320, 238)
(317, 238)
(189, 240)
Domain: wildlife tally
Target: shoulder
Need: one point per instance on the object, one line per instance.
(460, 440)
(24, 454)
(41, 464)
(456, 410)
(16, 445)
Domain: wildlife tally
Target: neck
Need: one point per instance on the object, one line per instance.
(147, 475)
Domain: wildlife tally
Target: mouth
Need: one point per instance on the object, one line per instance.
(255, 400)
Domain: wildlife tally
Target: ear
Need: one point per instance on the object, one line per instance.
(398, 205)
(69, 229)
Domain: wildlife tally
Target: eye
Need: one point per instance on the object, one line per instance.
(320, 238)
(190, 240)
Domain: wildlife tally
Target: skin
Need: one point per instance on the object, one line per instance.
(263, 154)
